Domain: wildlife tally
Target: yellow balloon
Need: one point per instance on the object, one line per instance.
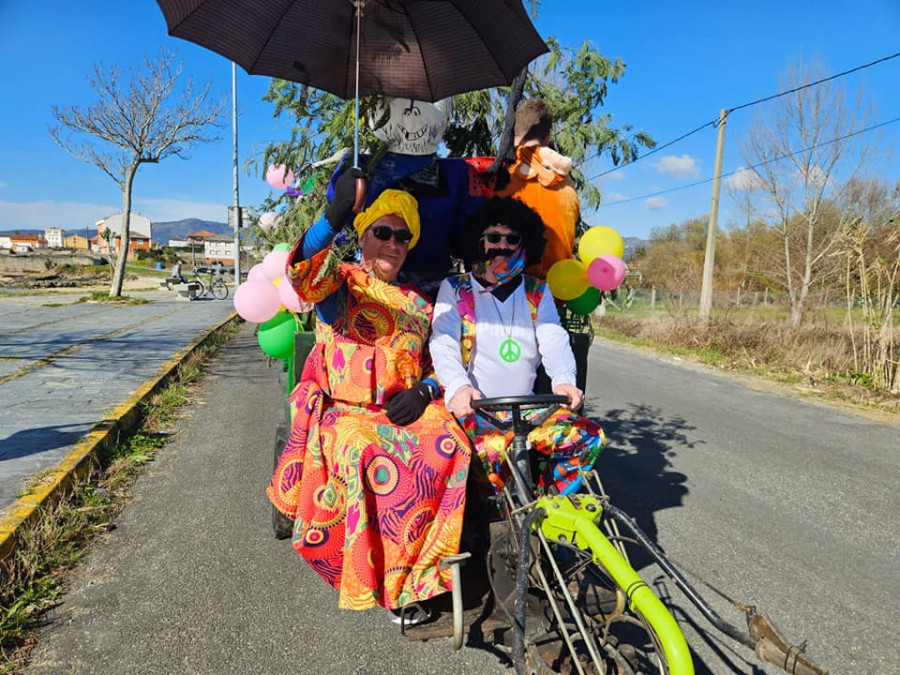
(600, 240)
(567, 279)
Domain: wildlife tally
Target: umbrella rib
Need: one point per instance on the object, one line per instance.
(425, 70)
(487, 46)
(269, 38)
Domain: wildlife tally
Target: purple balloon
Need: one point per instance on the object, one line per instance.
(257, 300)
(288, 296)
(274, 264)
(606, 272)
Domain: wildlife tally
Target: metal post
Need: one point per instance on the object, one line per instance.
(710, 257)
(237, 201)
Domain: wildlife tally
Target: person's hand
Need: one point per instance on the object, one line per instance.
(407, 406)
(340, 210)
(461, 403)
(573, 393)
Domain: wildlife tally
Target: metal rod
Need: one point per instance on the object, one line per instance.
(359, 6)
(679, 580)
(237, 200)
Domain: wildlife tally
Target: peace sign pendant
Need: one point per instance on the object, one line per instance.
(510, 351)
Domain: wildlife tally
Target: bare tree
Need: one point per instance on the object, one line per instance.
(145, 120)
(803, 152)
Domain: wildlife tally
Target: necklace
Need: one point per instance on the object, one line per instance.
(510, 350)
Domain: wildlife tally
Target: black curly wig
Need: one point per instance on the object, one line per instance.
(513, 214)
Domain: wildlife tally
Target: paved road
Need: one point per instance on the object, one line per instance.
(788, 505)
(780, 503)
(192, 580)
(62, 368)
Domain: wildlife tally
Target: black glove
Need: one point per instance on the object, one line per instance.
(407, 406)
(340, 210)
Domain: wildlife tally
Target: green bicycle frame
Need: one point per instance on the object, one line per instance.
(573, 519)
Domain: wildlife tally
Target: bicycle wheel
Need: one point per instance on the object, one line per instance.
(219, 289)
(200, 291)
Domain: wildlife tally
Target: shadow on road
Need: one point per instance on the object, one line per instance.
(635, 467)
(40, 439)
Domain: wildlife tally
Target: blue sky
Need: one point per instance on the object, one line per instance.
(685, 61)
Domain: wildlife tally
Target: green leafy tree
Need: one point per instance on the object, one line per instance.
(575, 83)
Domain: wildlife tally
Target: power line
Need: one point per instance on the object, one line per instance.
(656, 149)
(813, 84)
(715, 122)
(752, 167)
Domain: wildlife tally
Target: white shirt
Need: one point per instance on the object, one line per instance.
(496, 321)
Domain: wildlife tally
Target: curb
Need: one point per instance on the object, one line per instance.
(122, 418)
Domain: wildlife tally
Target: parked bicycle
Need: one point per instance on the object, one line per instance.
(214, 285)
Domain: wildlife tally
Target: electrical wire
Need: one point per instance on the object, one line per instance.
(752, 167)
(715, 122)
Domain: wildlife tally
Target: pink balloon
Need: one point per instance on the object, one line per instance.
(267, 219)
(606, 272)
(274, 263)
(287, 295)
(279, 177)
(257, 272)
(257, 300)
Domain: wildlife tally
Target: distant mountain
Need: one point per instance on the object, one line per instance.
(179, 229)
(632, 244)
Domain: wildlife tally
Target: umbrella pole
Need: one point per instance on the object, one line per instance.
(358, 4)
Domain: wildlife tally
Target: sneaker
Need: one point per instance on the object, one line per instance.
(412, 617)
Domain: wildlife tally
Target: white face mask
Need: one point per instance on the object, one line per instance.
(414, 127)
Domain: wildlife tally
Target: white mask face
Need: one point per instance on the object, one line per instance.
(414, 127)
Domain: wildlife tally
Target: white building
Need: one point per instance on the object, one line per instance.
(5, 241)
(139, 233)
(219, 247)
(54, 237)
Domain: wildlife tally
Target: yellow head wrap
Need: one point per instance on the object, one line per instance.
(395, 202)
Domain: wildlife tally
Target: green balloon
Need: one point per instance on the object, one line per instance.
(283, 246)
(586, 302)
(276, 336)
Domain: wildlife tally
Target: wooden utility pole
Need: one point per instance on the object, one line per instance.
(706, 290)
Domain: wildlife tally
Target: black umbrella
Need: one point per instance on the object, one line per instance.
(419, 49)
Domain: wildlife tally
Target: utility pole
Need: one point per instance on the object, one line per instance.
(709, 260)
(237, 201)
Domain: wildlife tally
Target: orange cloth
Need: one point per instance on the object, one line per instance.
(540, 178)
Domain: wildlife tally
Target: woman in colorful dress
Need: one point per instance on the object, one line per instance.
(374, 473)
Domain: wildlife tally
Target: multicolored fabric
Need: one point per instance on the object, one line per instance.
(375, 506)
(503, 268)
(568, 444)
(465, 302)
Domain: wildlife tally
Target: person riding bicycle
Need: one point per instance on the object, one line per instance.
(374, 473)
(492, 329)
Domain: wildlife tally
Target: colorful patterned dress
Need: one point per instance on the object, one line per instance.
(375, 505)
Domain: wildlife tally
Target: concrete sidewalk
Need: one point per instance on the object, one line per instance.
(64, 369)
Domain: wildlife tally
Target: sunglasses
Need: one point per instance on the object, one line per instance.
(512, 239)
(385, 232)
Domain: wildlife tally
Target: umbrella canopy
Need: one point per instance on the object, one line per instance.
(420, 49)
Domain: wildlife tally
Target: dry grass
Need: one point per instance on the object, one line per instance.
(818, 355)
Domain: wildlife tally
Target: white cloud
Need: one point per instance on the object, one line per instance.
(616, 197)
(77, 215)
(684, 166)
(38, 215)
(617, 176)
(655, 204)
(744, 180)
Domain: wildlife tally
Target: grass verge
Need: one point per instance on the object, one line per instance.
(814, 361)
(103, 296)
(48, 547)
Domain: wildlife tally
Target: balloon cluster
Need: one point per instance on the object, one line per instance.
(267, 298)
(599, 267)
